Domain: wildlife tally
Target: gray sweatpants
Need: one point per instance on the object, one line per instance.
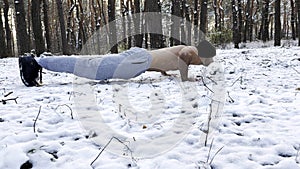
(125, 65)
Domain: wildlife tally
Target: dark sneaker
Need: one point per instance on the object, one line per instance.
(30, 71)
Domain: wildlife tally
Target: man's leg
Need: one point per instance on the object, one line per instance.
(30, 67)
(86, 67)
(57, 63)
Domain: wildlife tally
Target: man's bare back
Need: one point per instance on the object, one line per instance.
(177, 58)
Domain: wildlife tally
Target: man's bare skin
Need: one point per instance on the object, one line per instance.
(177, 58)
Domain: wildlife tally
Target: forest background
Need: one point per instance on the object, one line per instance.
(65, 26)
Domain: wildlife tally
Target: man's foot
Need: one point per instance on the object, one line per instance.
(30, 70)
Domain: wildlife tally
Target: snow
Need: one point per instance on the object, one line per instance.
(258, 129)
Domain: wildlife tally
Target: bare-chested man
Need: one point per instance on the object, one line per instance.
(177, 58)
(125, 65)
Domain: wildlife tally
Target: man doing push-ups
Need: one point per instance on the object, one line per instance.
(125, 65)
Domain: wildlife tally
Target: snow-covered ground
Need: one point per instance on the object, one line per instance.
(259, 126)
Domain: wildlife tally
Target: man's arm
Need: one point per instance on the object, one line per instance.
(183, 68)
(185, 58)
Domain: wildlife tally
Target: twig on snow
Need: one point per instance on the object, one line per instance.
(210, 118)
(212, 80)
(204, 84)
(4, 101)
(8, 94)
(296, 70)
(230, 98)
(67, 107)
(106, 147)
(297, 159)
(209, 151)
(240, 78)
(34, 124)
(207, 164)
(208, 124)
(212, 159)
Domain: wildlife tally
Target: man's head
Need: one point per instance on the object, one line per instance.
(206, 49)
(206, 52)
(198, 57)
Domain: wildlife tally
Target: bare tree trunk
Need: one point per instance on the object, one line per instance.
(2, 38)
(285, 26)
(265, 21)
(156, 40)
(94, 16)
(21, 28)
(296, 19)
(272, 25)
(215, 5)
(103, 12)
(277, 35)
(203, 16)
(112, 28)
(183, 39)
(175, 32)
(37, 26)
(137, 24)
(188, 23)
(7, 30)
(222, 15)
(54, 23)
(247, 21)
(298, 6)
(69, 35)
(123, 13)
(145, 25)
(240, 17)
(82, 34)
(293, 20)
(47, 26)
(196, 20)
(129, 6)
(97, 24)
(251, 22)
(28, 20)
(65, 47)
(235, 25)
